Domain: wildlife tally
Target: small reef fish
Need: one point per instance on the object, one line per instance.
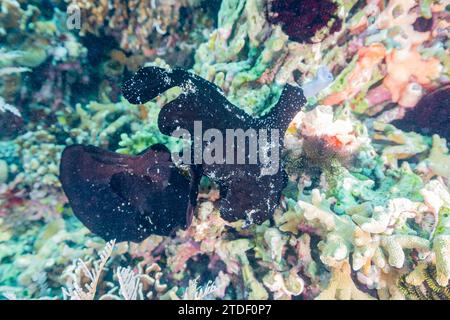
(323, 79)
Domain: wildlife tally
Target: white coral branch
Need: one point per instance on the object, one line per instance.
(129, 282)
(77, 292)
(10, 70)
(195, 292)
(5, 107)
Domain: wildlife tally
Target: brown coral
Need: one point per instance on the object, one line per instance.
(140, 26)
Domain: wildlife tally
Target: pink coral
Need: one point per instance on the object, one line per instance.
(405, 67)
(184, 252)
(368, 59)
(378, 95)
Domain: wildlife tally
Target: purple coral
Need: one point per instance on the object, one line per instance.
(430, 116)
(301, 19)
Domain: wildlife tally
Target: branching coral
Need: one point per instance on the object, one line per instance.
(77, 290)
(341, 286)
(365, 211)
(437, 197)
(420, 284)
(342, 237)
(377, 238)
(99, 122)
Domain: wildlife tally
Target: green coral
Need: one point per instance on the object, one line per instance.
(352, 188)
(147, 135)
(240, 52)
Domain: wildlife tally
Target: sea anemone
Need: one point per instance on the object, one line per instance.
(302, 19)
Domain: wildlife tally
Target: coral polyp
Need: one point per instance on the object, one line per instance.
(302, 19)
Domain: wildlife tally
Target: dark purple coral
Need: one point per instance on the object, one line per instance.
(123, 197)
(423, 24)
(11, 125)
(301, 19)
(245, 194)
(430, 116)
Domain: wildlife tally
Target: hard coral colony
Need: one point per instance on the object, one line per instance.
(357, 90)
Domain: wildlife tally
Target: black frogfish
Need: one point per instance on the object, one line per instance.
(130, 197)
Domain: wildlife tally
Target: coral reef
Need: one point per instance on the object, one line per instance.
(164, 28)
(364, 212)
(251, 59)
